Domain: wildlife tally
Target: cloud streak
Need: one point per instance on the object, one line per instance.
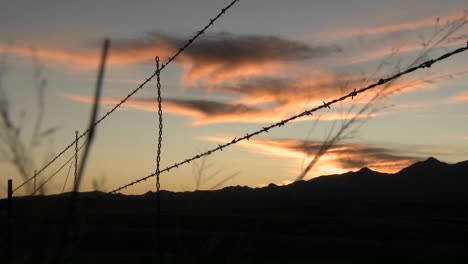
(262, 76)
(203, 111)
(400, 27)
(340, 158)
(208, 111)
(213, 58)
(219, 56)
(374, 43)
(459, 98)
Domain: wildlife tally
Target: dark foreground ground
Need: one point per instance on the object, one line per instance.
(358, 217)
(276, 231)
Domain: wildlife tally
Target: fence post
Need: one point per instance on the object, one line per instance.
(35, 174)
(9, 246)
(76, 159)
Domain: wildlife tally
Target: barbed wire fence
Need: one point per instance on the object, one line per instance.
(133, 92)
(65, 240)
(74, 157)
(352, 94)
(220, 147)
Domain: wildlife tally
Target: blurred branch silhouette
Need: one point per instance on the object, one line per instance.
(351, 122)
(71, 219)
(203, 173)
(14, 147)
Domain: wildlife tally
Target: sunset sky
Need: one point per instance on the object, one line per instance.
(262, 62)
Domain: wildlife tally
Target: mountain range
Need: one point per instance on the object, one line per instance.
(430, 179)
(419, 212)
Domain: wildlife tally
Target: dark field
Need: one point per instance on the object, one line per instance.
(356, 217)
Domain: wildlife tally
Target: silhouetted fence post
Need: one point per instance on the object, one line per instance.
(34, 190)
(9, 246)
(76, 159)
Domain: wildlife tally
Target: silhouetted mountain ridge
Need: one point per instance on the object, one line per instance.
(430, 179)
(430, 166)
(418, 211)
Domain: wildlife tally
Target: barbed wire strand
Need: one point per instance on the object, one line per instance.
(354, 93)
(66, 178)
(158, 161)
(147, 80)
(58, 170)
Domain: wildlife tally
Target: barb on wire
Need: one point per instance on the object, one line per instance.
(147, 80)
(352, 94)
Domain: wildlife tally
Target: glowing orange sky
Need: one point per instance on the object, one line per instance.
(242, 75)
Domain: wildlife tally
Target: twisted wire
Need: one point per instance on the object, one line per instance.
(354, 93)
(158, 156)
(164, 65)
(158, 161)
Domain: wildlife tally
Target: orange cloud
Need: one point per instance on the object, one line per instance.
(83, 59)
(381, 43)
(208, 112)
(147, 105)
(220, 57)
(240, 68)
(381, 52)
(386, 51)
(86, 58)
(216, 73)
(399, 27)
(459, 98)
(340, 158)
(269, 100)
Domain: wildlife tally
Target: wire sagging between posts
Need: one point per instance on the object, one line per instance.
(60, 169)
(354, 93)
(147, 80)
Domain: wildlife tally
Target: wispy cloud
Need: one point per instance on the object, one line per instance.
(398, 28)
(49, 55)
(381, 42)
(462, 97)
(213, 58)
(340, 158)
(82, 58)
(216, 57)
(209, 111)
(261, 78)
(267, 100)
